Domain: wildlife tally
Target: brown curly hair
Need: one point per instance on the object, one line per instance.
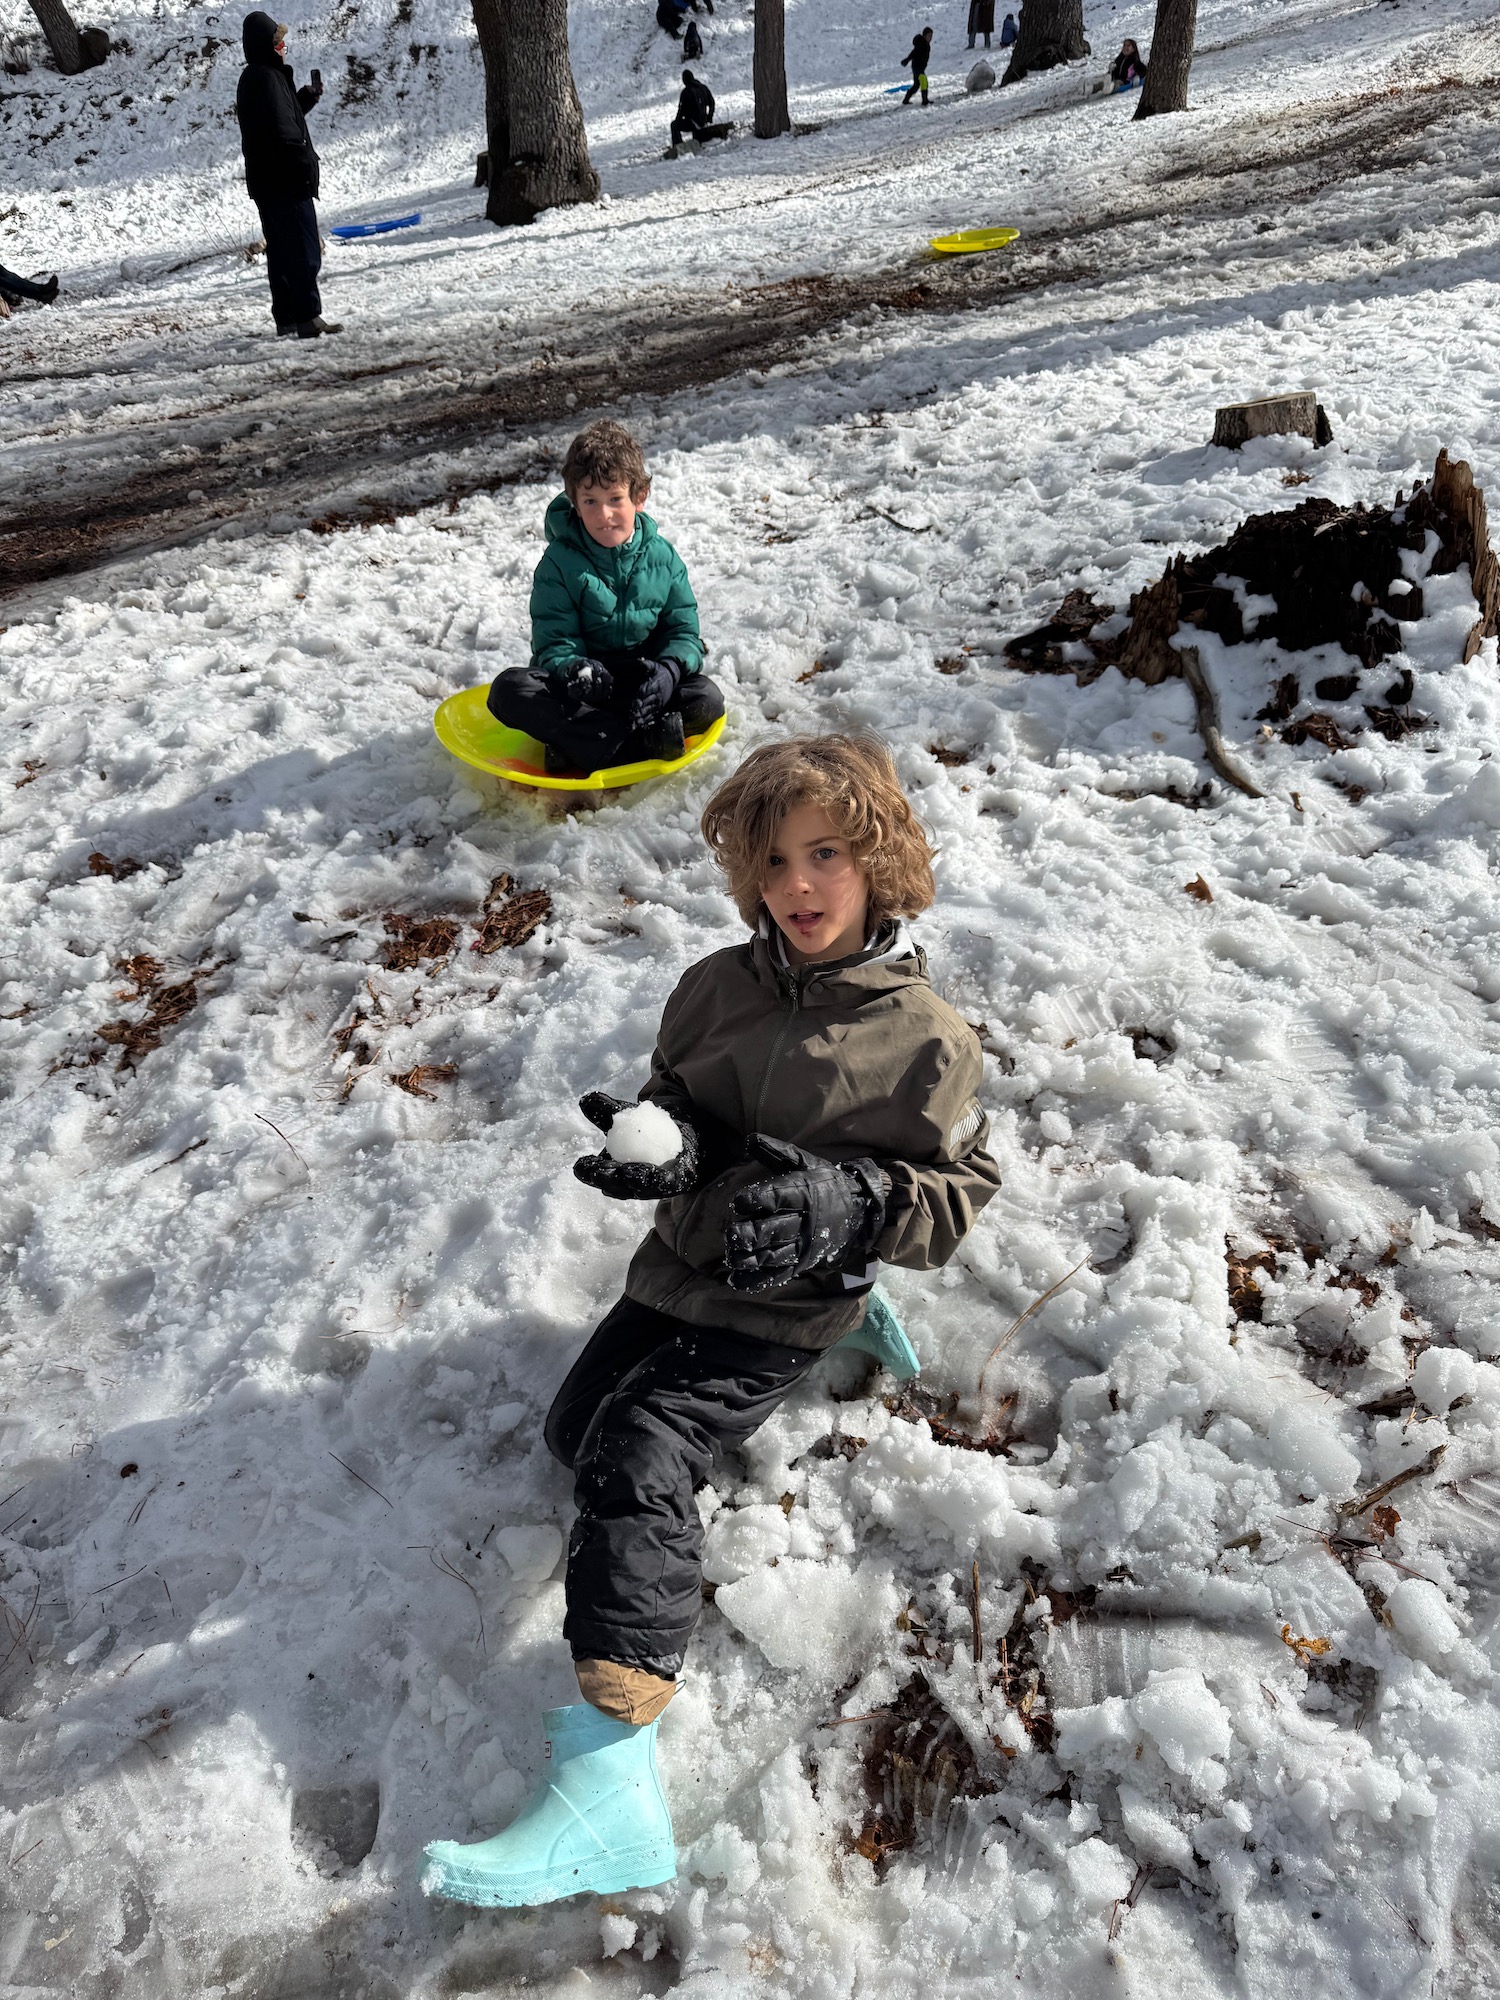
(603, 454)
(854, 779)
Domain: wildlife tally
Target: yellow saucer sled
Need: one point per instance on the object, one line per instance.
(465, 726)
(967, 241)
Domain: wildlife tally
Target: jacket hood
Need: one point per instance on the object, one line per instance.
(259, 38)
(563, 525)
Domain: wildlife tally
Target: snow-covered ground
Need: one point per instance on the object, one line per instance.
(280, 1554)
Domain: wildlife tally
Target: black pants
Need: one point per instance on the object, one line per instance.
(593, 737)
(645, 1407)
(294, 257)
(20, 288)
(683, 129)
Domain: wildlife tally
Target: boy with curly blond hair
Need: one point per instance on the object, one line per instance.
(818, 1115)
(616, 655)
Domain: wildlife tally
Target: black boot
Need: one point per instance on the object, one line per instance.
(664, 739)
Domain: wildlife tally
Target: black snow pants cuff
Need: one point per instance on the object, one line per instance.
(593, 738)
(640, 1418)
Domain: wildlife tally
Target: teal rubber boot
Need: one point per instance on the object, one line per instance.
(599, 1823)
(880, 1333)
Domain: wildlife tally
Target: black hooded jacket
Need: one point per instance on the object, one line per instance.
(280, 161)
(695, 106)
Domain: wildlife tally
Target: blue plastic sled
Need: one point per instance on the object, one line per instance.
(882, 1335)
(348, 229)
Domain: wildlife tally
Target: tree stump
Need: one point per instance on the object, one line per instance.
(1297, 415)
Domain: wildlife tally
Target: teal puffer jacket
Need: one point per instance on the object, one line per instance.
(587, 600)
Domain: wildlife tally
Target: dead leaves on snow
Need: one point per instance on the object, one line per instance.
(1306, 1650)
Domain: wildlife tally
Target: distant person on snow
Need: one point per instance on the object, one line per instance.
(695, 109)
(12, 287)
(615, 651)
(1008, 31)
(817, 1113)
(1129, 66)
(981, 20)
(670, 15)
(692, 43)
(921, 49)
(281, 173)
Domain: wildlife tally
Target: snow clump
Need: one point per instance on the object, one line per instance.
(643, 1135)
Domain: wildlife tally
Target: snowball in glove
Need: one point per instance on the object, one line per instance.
(811, 1216)
(635, 1164)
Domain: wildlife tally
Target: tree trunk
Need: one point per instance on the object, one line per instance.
(771, 115)
(546, 164)
(1171, 58)
(61, 31)
(1049, 32)
(489, 25)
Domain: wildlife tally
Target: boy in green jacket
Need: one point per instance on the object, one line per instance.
(812, 1112)
(616, 659)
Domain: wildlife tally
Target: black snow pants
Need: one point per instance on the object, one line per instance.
(639, 1419)
(17, 287)
(294, 256)
(590, 737)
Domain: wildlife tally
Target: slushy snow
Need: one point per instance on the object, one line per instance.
(287, 1295)
(643, 1135)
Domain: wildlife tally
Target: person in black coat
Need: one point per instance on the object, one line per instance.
(695, 109)
(281, 173)
(981, 20)
(918, 55)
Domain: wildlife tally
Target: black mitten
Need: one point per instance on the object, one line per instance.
(633, 1180)
(660, 680)
(810, 1216)
(589, 682)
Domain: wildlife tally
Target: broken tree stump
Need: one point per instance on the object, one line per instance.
(1297, 415)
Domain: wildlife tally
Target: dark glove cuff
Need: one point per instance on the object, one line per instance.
(876, 1185)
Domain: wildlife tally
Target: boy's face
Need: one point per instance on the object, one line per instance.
(815, 890)
(608, 512)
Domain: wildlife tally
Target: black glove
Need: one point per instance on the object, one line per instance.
(810, 1216)
(633, 1180)
(589, 682)
(660, 680)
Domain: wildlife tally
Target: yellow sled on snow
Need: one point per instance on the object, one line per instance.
(465, 726)
(967, 241)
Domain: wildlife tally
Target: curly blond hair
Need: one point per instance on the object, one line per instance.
(854, 779)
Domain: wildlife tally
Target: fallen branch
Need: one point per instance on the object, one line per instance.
(1206, 703)
(362, 1480)
(1348, 1509)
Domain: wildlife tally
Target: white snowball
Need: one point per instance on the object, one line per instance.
(532, 1553)
(1418, 1612)
(1442, 1376)
(644, 1135)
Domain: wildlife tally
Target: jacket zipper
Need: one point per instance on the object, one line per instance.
(776, 1048)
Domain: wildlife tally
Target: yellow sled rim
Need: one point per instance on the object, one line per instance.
(967, 241)
(465, 727)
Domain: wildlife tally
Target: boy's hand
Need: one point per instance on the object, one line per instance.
(590, 681)
(660, 681)
(631, 1180)
(810, 1216)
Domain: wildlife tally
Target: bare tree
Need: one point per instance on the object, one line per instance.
(489, 25)
(545, 162)
(61, 31)
(771, 115)
(1049, 32)
(1166, 84)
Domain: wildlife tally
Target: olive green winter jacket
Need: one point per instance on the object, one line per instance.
(588, 602)
(853, 1060)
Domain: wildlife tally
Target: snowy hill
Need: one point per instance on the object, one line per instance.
(293, 1259)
